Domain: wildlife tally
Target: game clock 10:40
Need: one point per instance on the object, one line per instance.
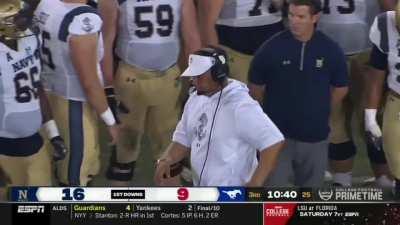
(282, 195)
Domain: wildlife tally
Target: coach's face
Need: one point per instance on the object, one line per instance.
(204, 84)
(302, 21)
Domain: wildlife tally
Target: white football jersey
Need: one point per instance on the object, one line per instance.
(57, 25)
(248, 13)
(385, 36)
(347, 23)
(20, 114)
(149, 33)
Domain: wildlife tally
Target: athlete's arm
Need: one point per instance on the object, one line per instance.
(266, 164)
(189, 27)
(209, 11)
(50, 127)
(190, 32)
(337, 95)
(174, 154)
(84, 58)
(44, 105)
(374, 84)
(108, 10)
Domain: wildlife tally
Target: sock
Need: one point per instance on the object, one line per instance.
(343, 178)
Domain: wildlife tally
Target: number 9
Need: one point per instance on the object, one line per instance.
(183, 194)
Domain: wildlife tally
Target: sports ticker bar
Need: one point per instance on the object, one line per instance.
(205, 206)
(199, 194)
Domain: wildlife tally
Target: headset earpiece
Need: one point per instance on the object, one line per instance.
(220, 70)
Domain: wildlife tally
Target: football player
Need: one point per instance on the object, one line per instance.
(23, 106)
(338, 19)
(148, 36)
(385, 58)
(72, 49)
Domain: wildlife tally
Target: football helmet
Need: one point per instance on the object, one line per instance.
(15, 17)
(8, 11)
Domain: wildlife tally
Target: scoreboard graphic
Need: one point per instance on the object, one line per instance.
(203, 205)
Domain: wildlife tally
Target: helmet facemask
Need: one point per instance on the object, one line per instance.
(13, 19)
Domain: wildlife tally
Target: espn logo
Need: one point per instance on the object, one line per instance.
(30, 209)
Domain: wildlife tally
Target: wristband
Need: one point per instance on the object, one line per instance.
(108, 117)
(51, 129)
(370, 116)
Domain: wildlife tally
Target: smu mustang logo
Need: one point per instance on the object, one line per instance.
(229, 194)
(233, 194)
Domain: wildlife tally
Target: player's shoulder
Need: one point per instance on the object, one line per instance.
(383, 28)
(383, 19)
(80, 20)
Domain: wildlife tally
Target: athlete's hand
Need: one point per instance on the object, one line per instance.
(59, 148)
(373, 131)
(114, 132)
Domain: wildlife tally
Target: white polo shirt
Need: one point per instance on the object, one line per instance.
(241, 128)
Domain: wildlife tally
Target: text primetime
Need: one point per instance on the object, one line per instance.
(352, 194)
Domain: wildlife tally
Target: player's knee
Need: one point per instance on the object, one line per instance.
(375, 155)
(342, 151)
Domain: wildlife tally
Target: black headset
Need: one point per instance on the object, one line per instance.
(220, 69)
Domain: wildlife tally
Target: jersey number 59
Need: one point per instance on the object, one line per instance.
(165, 21)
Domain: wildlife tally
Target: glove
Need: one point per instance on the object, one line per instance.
(112, 102)
(373, 131)
(59, 149)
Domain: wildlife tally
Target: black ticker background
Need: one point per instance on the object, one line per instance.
(227, 214)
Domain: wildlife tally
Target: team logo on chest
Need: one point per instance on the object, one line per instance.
(319, 63)
(286, 62)
(200, 131)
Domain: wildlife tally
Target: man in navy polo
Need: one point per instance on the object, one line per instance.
(297, 75)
